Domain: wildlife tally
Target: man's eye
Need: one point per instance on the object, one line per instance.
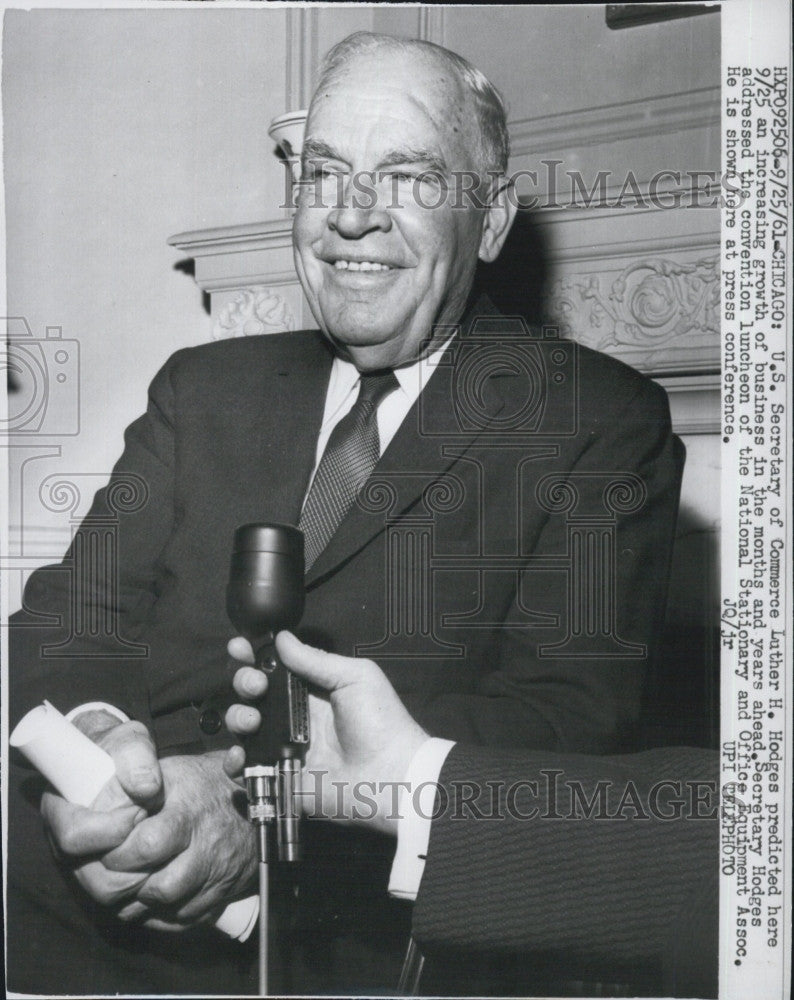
(314, 173)
(431, 177)
(424, 177)
(414, 176)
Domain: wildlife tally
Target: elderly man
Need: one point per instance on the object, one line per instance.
(489, 513)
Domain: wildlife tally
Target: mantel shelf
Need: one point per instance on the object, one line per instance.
(234, 239)
(232, 258)
(643, 287)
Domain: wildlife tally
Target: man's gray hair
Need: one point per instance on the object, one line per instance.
(488, 102)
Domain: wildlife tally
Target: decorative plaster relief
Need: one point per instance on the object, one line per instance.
(253, 311)
(654, 303)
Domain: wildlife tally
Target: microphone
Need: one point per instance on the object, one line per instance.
(265, 593)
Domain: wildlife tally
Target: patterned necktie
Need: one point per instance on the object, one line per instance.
(350, 456)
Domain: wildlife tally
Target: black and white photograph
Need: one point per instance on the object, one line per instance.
(396, 546)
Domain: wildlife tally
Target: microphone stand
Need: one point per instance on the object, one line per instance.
(272, 799)
(265, 592)
(260, 785)
(264, 889)
(411, 972)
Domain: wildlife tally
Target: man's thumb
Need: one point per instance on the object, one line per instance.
(137, 766)
(327, 670)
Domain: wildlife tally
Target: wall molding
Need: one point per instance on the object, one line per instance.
(236, 257)
(695, 402)
(233, 239)
(431, 24)
(611, 123)
(302, 55)
(659, 245)
(29, 544)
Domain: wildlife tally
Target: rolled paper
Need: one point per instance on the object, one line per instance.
(79, 769)
(72, 763)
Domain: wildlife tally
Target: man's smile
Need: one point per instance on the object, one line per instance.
(354, 271)
(358, 258)
(360, 265)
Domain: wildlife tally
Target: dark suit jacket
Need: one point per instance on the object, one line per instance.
(626, 893)
(229, 436)
(529, 496)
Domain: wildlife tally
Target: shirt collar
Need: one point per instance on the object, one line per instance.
(412, 378)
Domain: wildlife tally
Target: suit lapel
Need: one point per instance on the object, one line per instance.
(291, 404)
(416, 456)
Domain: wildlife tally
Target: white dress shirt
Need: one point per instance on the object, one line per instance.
(392, 410)
(417, 799)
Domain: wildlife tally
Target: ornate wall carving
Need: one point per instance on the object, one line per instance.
(656, 304)
(252, 311)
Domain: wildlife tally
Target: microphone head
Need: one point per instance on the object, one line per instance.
(265, 590)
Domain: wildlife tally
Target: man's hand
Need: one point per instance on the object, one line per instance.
(81, 834)
(362, 737)
(195, 854)
(163, 842)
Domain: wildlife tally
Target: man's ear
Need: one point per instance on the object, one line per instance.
(499, 218)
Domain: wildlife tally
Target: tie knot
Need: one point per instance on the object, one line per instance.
(375, 385)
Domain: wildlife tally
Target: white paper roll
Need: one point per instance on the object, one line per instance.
(79, 769)
(72, 763)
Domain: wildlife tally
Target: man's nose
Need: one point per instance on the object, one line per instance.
(359, 211)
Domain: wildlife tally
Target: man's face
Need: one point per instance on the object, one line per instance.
(379, 276)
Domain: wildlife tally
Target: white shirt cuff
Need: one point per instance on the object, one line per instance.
(417, 799)
(97, 706)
